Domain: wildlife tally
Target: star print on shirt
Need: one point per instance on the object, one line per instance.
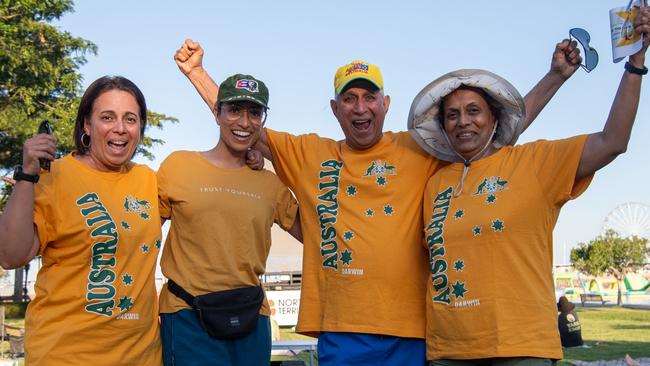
(370, 213)
(127, 279)
(346, 257)
(144, 248)
(388, 210)
(125, 303)
(459, 289)
(476, 230)
(490, 198)
(459, 265)
(125, 225)
(381, 181)
(348, 235)
(498, 225)
(351, 191)
(459, 214)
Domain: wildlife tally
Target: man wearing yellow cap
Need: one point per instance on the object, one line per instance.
(364, 267)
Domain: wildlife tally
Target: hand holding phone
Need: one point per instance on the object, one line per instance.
(45, 127)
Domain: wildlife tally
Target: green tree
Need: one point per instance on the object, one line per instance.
(612, 255)
(39, 79)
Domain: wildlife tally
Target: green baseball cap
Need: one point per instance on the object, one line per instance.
(241, 87)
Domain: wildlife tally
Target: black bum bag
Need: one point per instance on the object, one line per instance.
(225, 314)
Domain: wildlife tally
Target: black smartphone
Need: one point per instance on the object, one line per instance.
(45, 127)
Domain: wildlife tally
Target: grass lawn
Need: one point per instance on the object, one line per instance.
(612, 332)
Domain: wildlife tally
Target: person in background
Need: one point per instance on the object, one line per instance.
(94, 220)
(568, 324)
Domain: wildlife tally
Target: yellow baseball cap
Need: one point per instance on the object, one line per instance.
(357, 70)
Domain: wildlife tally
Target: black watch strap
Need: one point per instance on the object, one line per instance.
(635, 70)
(19, 175)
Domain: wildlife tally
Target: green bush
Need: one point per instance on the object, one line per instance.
(15, 310)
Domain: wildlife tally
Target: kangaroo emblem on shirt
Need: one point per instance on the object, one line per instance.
(491, 185)
(132, 204)
(380, 168)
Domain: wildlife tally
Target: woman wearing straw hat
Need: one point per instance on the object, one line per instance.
(489, 215)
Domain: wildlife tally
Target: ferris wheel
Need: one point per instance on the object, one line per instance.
(631, 218)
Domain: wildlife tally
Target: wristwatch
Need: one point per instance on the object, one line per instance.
(19, 175)
(635, 70)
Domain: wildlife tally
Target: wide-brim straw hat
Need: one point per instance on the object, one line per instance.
(425, 122)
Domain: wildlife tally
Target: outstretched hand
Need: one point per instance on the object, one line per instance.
(566, 58)
(189, 57)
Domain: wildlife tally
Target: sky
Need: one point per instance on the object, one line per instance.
(296, 46)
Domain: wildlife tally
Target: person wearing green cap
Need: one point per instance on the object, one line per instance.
(221, 215)
(362, 289)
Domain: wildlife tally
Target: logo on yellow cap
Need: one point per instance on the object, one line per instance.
(357, 67)
(357, 70)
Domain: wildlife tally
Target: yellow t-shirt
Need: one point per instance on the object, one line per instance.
(363, 263)
(220, 233)
(95, 298)
(490, 288)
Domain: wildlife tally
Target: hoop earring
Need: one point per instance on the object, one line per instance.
(86, 145)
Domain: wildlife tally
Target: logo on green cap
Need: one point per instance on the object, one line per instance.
(250, 85)
(240, 87)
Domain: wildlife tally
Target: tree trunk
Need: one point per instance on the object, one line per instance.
(619, 300)
(18, 284)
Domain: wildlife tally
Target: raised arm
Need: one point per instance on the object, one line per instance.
(564, 63)
(18, 240)
(189, 58)
(603, 147)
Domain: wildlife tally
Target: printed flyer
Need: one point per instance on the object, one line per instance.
(625, 41)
